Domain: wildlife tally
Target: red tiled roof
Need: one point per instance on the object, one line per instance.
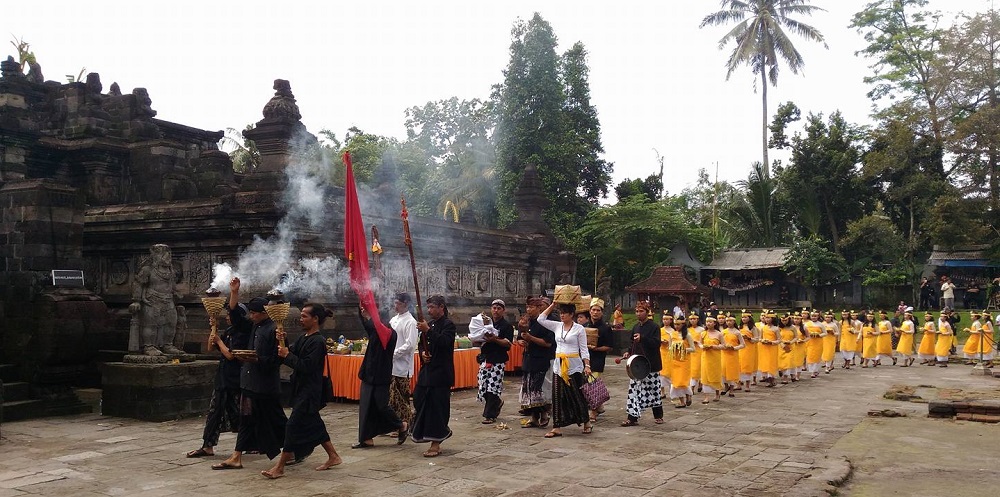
(669, 280)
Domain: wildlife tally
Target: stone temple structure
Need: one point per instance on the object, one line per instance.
(91, 180)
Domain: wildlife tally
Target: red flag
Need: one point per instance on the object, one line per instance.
(356, 251)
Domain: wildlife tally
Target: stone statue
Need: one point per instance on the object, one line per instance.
(153, 305)
(35, 72)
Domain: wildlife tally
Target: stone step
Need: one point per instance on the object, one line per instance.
(15, 391)
(22, 409)
(8, 373)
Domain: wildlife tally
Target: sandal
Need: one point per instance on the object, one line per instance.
(629, 422)
(432, 453)
(658, 421)
(199, 453)
(705, 402)
(489, 421)
(553, 434)
(226, 465)
(402, 434)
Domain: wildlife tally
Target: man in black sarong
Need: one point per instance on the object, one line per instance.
(432, 397)
(224, 408)
(306, 429)
(262, 420)
(375, 416)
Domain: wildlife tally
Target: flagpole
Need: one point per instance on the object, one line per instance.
(408, 240)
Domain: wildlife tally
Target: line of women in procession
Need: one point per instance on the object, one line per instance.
(729, 353)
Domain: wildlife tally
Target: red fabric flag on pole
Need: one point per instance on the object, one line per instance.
(356, 251)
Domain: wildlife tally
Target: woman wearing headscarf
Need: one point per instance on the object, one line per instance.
(305, 428)
(432, 397)
(569, 370)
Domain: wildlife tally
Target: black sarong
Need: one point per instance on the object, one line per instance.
(568, 404)
(304, 431)
(375, 417)
(223, 415)
(262, 424)
(433, 406)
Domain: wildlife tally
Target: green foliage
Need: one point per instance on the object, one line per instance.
(953, 221)
(822, 176)
(872, 241)
(787, 113)
(812, 263)
(24, 53)
(752, 216)
(651, 187)
(244, 154)
(892, 276)
(544, 117)
(632, 237)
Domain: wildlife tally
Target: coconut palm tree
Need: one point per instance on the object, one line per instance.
(761, 40)
(752, 217)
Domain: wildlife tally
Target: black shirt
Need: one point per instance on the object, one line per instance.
(439, 371)
(649, 343)
(236, 337)
(605, 338)
(539, 357)
(306, 357)
(376, 367)
(495, 353)
(263, 377)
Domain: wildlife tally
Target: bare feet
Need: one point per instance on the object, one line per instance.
(331, 462)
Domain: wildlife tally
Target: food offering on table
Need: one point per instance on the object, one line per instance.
(463, 342)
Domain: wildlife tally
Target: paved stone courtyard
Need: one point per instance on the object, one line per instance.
(791, 440)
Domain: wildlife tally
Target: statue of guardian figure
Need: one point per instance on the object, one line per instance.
(153, 306)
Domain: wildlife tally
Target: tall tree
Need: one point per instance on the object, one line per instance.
(904, 42)
(584, 126)
(535, 121)
(761, 41)
(823, 171)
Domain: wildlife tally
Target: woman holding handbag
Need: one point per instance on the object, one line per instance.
(569, 370)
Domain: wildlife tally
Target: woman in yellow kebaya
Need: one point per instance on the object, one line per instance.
(906, 333)
(926, 350)
(786, 354)
(814, 343)
(767, 350)
(711, 361)
(831, 335)
(696, 332)
(883, 343)
(869, 341)
(749, 354)
(681, 349)
(732, 342)
(971, 350)
(798, 347)
(665, 355)
(942, 346)
(848, 339)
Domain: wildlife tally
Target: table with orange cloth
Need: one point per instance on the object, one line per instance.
(516, 358)
(344, 372)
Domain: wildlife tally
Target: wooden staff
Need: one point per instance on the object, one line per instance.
(413, 267)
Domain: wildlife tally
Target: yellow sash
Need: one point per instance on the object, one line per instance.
(564, 365)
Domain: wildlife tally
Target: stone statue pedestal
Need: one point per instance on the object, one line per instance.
(157, 392)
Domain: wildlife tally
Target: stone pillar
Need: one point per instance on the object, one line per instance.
(279, 138)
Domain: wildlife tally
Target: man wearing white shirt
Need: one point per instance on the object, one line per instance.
(402, 358)
(947, 293)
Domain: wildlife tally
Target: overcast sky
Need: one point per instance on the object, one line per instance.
(658, 81)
